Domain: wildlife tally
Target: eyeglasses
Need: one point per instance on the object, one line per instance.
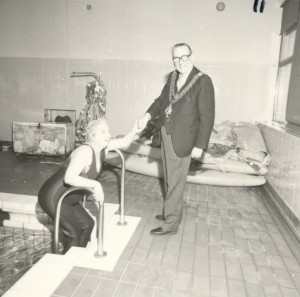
(182, 58)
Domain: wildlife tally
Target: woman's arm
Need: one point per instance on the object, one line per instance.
(124, 141)
(82, 158)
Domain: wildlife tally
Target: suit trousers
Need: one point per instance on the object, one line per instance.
(175, 173)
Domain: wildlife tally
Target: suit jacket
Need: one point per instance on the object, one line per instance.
(192, 118)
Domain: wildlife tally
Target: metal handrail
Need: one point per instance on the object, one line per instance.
(100, 252)
(122, 203)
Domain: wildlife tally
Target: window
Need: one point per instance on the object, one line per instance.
(283, 76)
(285, 93)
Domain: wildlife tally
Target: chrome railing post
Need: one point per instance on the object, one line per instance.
(56, 223)
(100, 252)
(122, 203)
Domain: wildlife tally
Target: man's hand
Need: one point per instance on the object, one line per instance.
(136, 128)
(142, 123)
(196, 153)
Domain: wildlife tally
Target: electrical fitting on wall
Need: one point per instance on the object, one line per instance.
(220, 6)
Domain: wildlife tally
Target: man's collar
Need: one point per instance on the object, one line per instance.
(187, 73)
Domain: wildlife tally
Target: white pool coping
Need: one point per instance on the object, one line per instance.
(47, 274)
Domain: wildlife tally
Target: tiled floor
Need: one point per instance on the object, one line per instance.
(231, 241)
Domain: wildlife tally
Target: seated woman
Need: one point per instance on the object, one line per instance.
(81, 169)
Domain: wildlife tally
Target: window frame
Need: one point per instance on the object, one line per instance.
(285, 60)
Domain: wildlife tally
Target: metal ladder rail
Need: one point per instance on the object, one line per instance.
(122, 221)
(99, 252)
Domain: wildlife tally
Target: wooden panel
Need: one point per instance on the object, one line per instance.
(43, 138)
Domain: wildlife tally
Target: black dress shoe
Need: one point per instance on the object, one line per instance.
(162, 231)
(160, 217)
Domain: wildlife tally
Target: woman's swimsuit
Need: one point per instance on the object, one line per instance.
(75, 222)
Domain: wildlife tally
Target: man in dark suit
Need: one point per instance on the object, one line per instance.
(185, 114)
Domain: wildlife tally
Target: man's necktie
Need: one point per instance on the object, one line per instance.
(180, 82)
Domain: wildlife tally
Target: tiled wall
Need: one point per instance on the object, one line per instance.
(29, 85)
(283, 178)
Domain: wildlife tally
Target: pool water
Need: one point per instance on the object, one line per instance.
(19, 251)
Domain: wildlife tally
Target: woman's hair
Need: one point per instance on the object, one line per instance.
(92, 126)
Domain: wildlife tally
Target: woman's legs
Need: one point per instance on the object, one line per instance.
(87, 224)
(76, 224)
